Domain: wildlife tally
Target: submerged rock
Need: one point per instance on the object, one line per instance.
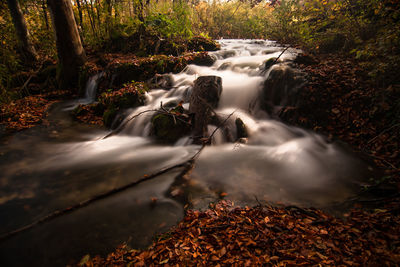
(241, 130)
(163, 81)
(225, 66)
(270, 62)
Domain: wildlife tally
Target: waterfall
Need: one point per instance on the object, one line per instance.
(91, 87)
(90, 92)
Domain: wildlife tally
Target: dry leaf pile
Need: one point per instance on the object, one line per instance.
(266, 235)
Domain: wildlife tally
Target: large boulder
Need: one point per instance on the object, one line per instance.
(204, 98)
(115, 102)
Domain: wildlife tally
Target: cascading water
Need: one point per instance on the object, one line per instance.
(71, 163)
(278, 163)
(91, 87)
(90, 92)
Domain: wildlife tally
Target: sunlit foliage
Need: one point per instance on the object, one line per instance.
(367, 30)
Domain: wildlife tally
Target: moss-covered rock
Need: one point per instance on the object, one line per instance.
(142, 69)
(114, 102)
(111, 104)
(131, 95)
(241, 130)
(109, 116)
(200, 43)
(169, 129)
(203, 59)
(150, 43)
(170, 126)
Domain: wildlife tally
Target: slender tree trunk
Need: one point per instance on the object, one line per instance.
(26, 47)
(71, 54)
(108, 17)
(94, 14)
(90, 18)
(78, 4)
(46, 19)
(141, 11)
(98, 7)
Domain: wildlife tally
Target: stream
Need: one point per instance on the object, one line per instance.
(48, 168)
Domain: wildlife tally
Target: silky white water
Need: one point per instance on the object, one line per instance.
(67, 163)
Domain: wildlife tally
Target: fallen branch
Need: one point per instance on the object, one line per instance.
(384, 131)
(284, 50)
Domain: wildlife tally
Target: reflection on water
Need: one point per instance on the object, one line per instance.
(49, 168)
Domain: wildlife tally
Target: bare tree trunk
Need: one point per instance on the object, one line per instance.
(71, 54)
(46, 19)
(26, 47)
(108, 17)
(141, 11)
(78, 4)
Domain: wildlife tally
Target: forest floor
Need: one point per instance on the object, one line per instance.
(339, 102)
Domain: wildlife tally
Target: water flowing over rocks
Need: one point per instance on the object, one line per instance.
(252, 157)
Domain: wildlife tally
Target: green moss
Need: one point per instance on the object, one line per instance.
(200, 43)
(109, 116)
(168, 129)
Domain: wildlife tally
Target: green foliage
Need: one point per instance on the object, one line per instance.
(283, 24)
(368, 30)
(232, 19)
(170, 20)
(9, 62)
